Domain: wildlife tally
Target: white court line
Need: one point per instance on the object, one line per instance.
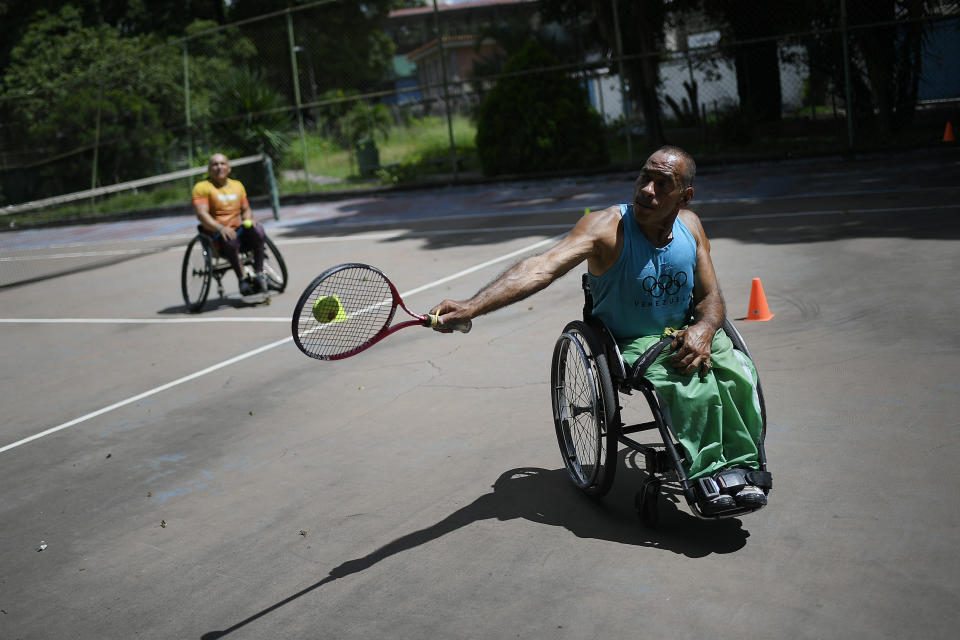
(147, 394)
(248, 354)
(386, 235)
(416, 234)
(86, 254)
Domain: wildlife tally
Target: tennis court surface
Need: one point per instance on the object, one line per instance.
(174, 475)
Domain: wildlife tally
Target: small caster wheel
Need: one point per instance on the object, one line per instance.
(646, 503)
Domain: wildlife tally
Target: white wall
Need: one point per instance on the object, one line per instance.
(716, 84)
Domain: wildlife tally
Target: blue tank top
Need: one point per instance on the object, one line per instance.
(649, 288)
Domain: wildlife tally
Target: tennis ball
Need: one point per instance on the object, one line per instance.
(247, 223)
(328, 309)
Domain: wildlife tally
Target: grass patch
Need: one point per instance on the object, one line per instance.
(420, 147)
(429, 138)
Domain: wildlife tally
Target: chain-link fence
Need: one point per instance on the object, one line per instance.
(334, 100)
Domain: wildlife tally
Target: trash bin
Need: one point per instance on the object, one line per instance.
(368, 158)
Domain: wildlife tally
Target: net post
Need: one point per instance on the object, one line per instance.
(272, 182)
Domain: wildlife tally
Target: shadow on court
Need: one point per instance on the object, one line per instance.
(910, 196)
(883, 215)
(44, 271)
(547, 497)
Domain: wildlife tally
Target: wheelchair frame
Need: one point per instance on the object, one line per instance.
(603, 377)
(202, 264)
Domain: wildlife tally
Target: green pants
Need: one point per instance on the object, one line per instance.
(717, 420)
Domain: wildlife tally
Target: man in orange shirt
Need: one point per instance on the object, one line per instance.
(224, 212)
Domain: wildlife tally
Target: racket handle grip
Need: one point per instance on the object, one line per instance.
(433, 321)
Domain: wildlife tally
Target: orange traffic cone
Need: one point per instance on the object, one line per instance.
(948, 133)
(758, 303)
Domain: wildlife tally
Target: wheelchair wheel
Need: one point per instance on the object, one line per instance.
(274, 268)
(585, 411)
(196, 273)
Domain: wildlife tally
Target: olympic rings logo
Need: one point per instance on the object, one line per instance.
(666, 283)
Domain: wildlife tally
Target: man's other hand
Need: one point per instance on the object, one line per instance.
(691, 349)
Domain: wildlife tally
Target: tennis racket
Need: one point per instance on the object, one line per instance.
(348, 309)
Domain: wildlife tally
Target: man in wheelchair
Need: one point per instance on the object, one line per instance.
(224, 213)
(648, 266)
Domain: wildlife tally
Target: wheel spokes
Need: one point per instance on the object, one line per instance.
(578, 413)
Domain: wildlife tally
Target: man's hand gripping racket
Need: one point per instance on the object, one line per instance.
(348, 309)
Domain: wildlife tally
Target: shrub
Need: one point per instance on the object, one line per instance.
(252, 116)
(365, 121)
(539, 121)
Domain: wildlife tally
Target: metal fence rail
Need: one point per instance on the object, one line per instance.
(130, 185)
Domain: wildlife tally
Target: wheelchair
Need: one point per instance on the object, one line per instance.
(587, 372)
(202, 264)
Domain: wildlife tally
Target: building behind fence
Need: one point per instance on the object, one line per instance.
(446, 57)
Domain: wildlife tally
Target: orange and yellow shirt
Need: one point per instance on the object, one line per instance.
(225, 203)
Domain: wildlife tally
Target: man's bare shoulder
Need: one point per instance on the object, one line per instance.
(692, 222)
(688, 215)
(599, 224)
(603, 217)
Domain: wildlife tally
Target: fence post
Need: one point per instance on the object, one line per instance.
(446, 92)
(96, 137)
(296, 95)
(624, 98)
(186, 103)
(272, 182)
(846, 73)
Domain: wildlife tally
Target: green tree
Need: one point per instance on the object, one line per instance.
(641, 25)
(538, 122)
(129, 17)
(213, 55)
(336, 104)
(251, 117)
(340, 45)
(887, 40)
(64, 78)
(750, 39)
(162, 17)
(364, 120)
(511, 35)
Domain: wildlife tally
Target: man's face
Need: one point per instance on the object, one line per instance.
(658, 190)
(219, 169)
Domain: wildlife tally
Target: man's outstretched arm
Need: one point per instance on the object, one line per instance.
(531, 274)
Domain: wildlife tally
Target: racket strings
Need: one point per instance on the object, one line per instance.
(345, 311)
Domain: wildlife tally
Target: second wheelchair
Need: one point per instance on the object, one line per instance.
(202, 264)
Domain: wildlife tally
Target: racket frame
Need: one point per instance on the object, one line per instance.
(386, 330)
